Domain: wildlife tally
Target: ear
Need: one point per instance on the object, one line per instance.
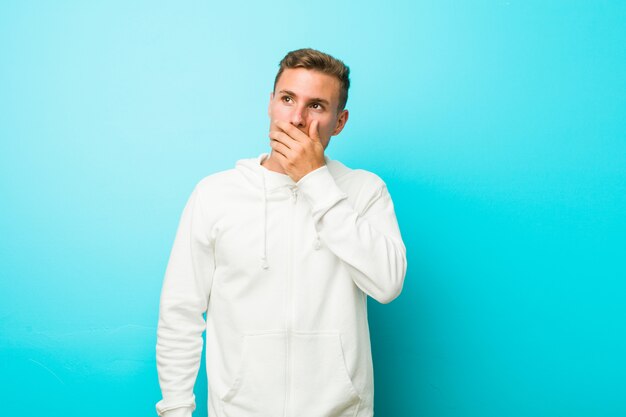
(269, 105)
(341, 122)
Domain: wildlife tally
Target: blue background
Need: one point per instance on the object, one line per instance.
(499, 127)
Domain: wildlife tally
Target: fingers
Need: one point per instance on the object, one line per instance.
(283, 138)
(313, 131)
(292, 131)
(280, 148)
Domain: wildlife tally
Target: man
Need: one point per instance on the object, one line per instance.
(281, 253)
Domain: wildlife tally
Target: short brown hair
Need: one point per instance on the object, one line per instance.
(315, 60)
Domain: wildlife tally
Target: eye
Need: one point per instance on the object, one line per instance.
(317, 106)
(287, 99)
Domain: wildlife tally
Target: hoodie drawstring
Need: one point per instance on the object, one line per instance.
(264, 263)
(317, 244)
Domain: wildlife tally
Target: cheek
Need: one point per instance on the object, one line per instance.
(279, 113)
(274, 110)
(326, 127)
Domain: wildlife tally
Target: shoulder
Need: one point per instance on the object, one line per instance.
(212, 194)
(217, 181)
(354, 178)
(362, 187)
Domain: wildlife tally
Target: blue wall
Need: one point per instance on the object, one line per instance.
(499, 127)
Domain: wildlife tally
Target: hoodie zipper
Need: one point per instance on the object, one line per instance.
(289, 318)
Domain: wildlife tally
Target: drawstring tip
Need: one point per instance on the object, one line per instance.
(264, 263)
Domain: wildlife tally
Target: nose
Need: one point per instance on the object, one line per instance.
(298, 117)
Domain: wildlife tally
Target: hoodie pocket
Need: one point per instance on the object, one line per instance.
(258, 389)
(315, 370)
(321, 384)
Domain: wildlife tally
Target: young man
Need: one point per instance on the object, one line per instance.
(281, 253)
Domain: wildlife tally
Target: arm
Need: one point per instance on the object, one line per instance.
(184, 298)
(369, 243)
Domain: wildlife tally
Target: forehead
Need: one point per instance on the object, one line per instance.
(307, 83)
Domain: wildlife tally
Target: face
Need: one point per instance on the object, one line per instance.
(303, 95)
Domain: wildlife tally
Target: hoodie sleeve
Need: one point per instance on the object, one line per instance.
(369, 243)
(184, 299)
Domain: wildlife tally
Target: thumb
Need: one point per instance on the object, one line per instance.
(313, 132)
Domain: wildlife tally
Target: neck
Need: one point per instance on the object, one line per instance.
(273, 165)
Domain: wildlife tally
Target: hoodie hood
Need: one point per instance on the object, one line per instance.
(257, 174)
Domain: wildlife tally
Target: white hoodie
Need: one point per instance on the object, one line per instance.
(282, 270)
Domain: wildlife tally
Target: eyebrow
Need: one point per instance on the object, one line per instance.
(315, 100)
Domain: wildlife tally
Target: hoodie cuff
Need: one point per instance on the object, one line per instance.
(178, 412)
(320, 190)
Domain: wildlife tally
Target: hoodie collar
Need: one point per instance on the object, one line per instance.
(273, 179)
(252, 169)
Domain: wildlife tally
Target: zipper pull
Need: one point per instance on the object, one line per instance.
(294, 195)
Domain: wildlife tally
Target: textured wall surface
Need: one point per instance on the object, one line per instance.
(499, 127)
